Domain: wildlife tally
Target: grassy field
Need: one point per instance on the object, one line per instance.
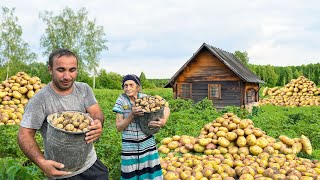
(186, 119)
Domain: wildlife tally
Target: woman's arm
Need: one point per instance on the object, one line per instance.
(166, 114)
(122, 123)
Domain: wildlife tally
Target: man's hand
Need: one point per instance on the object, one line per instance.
(51, 168)
(95, 131)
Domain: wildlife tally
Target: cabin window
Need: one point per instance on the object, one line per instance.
(214, 91)
(185, 90)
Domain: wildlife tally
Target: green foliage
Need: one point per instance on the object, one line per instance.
(74, 31)
(14, 52)
(109, 80)
(279, 76)
(13, 169)
(191, 117)
(242, 113)
(159, 83)
(180, 104)
(40, 70)
(8, 137)
(242, 56)
(145, 82)
(293, 122)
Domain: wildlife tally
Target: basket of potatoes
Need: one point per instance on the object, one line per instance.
(66, 139)
(153, 110)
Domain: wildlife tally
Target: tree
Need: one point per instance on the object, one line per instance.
(14, 52)
(145, 83)
(288, 75)
(74, 31)
(40, 70)
(272, 77)
(296, 74)
(109, 80)
(242, 56)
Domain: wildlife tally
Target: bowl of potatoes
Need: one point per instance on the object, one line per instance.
(66, 139)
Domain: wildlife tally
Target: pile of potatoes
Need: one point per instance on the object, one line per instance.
(11, 114)
(299, 92)
(15, 92)
(70, 121)
(151, 103)
(232, 148)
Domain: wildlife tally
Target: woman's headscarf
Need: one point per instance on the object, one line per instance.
(132, 77)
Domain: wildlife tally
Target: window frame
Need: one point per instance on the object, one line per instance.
(218, 86)
(180, 90)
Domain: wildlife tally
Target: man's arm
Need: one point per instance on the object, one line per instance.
(31, 149)
(97, 124)
(29, 145)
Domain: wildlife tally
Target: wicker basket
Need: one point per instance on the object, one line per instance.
(144, 120)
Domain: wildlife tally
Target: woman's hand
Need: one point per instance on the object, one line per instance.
(157, 123)
(137, 111)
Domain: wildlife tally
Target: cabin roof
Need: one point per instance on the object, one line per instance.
(234, 64)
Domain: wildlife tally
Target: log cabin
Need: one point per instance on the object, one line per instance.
(217, 75)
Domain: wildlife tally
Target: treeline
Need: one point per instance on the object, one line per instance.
(103, 79)
(279, 76)
(272, 75)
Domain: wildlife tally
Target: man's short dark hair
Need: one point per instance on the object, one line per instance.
(58, 53)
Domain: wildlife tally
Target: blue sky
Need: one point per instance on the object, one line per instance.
(157, 37)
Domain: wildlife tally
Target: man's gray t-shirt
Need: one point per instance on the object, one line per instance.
(47, 101)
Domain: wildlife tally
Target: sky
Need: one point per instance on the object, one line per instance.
(158, 36)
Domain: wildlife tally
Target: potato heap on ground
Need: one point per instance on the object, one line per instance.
(70, 121)
(151, 103)
(299, 92)
(231, 148)
(15, 93)
(11, 114)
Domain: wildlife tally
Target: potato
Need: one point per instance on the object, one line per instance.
(258, 132)
(285, 139)
(173, 145)
(262, 142)
(222, 141)
(251, 139)
(255, 150)
(247, 170)
(306, 145)
(231, 136)
(241, 141)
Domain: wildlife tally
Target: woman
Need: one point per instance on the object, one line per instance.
(140, 158)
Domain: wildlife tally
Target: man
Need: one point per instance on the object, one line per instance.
(62, 94)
